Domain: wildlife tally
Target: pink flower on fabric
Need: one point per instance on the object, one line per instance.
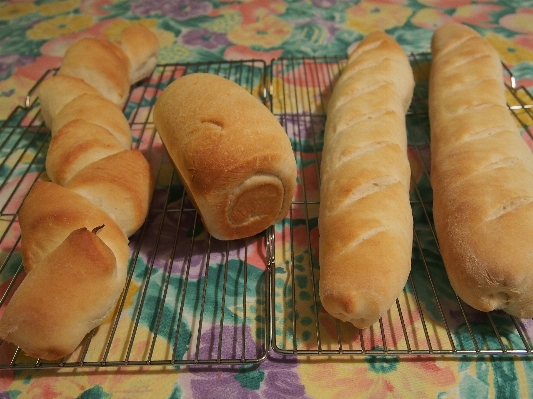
(521, 21)
(445, 3)
(476, 14)
(237, 53)
(204, 38)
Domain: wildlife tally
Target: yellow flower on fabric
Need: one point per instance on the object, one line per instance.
(11, 11)
(59, 26)
(12, 93)
(267, 31)
(428, 18)
(510, 52)
(225, 22)
(135, 382)
(522, 21)
(369, 16)
(59, 7)
(174, 53)
(164, 37)
(377, 376)
(113, 30)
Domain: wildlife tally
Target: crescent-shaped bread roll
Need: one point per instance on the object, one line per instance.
(51, 212)
(70, 292)
(57, 91)
(120, 184)
(98, 110)
(76, 145)
(141, 46)
(102, 64)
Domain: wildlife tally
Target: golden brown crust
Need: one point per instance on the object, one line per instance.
(365, 218)
(95, 109)
(45, 224)
(121, 185)
(233, 156)
(481, 174)
(141, 46)
(70, 292)
(76, 145)
(99, 184)
(100, 63)
(57, 91)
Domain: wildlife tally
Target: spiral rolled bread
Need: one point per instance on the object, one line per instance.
(75, 227)
(365, 219)
(481, 174)
(232, 155)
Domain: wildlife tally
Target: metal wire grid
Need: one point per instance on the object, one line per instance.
(428, 318)
(189, 298)
(424, 320)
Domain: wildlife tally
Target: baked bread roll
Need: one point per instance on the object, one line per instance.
(57, 91)
(365, 218)
(481, 174)
(120, 184)
(232, 155)
(141, 46)
(102, 64)
(95, 109)
(75, 229)
(46, 224)
(76, 145)
(70, 292)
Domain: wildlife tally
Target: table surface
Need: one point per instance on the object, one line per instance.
(34, 35)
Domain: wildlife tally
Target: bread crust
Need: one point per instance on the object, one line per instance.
(57, 91)
(232, 155)
(121, 185)
(365, 219)
(75, 146)
(102, 64)
(98, 110)
(70, 292)
(100, 187)
(46, 224)
(481, 174)
(141, 46)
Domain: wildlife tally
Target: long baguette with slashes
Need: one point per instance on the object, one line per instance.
(481, 174)
(365, 218)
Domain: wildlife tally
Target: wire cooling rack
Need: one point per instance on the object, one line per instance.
(189, 299)
(193, 300)
(428, 318)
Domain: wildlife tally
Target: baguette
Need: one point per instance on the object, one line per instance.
(232, 155)
(75, 228)
(481, 174)
(365, 219)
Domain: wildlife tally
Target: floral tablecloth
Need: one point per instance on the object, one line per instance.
(33, 38)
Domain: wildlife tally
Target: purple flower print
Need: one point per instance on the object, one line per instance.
(8, 62)
(274, 378)
(324, 3)
(231, 342)
(204, 38)
(177, 9)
